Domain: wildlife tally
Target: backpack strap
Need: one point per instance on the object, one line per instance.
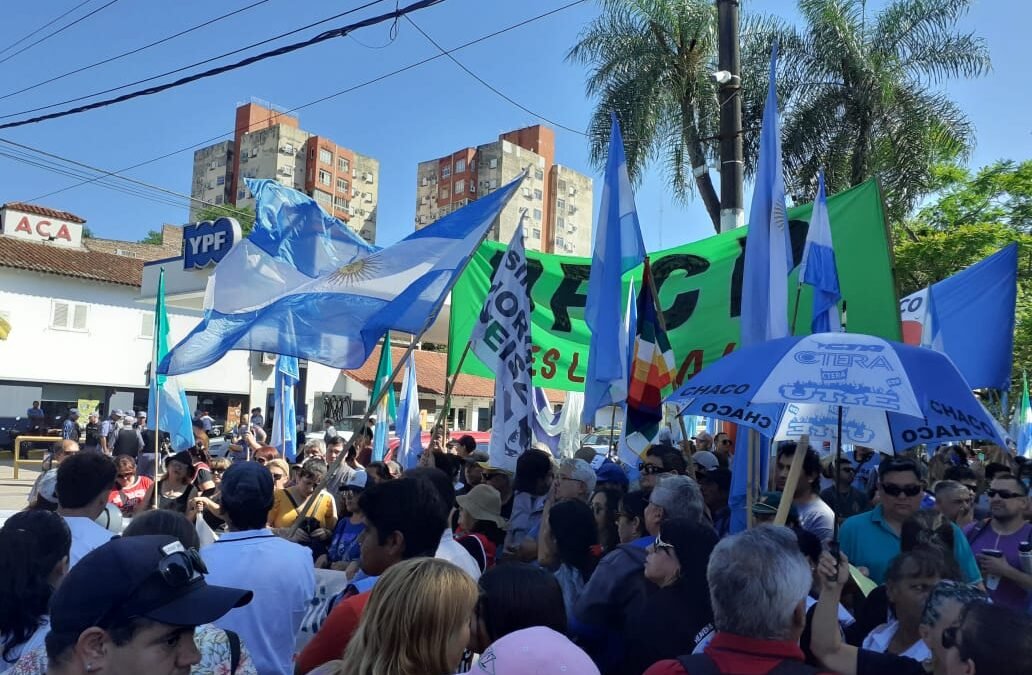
(234, 651)
(976, 532)
(698, 664)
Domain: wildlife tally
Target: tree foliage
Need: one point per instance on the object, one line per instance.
(243, 215)
(972, 216)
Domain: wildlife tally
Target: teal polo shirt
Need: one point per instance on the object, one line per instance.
(868, 541)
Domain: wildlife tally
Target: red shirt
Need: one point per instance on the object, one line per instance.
(739, 655)
(133, 495)
(332, 639)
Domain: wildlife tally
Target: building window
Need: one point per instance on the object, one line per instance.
(460, 166)
(460, 187)
(560, 222)
(343, 164)
(472, 186)
(218, 199)
(493, 163)
(562, 187)
(147, 325)
(537, 214)
(560, 204)
(537, 233)
(221, 180)
(559, 241)
(325, 156)
(68, 315)
(323, 198)
(445, 171)
(539, 174)
(341, 203)
(538, 195)
(445, 193)
(342, 185)
(241, 194)
(325, 178)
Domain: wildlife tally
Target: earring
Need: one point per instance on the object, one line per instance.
(89, 667)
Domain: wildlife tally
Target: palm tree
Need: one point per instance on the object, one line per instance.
(862, 98)
(649, 63)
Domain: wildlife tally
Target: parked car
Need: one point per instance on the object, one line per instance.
(12, 427)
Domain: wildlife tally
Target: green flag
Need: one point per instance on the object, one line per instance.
(386, 410)
(699, 287)
(160, 326)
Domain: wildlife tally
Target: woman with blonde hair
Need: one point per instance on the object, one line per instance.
(417, 621)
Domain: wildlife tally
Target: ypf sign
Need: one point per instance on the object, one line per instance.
(208, 242)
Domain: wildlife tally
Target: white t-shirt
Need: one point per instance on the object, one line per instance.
(453, 552)
(86, 536)
(878, 641)
(35, 640)
(817, 518)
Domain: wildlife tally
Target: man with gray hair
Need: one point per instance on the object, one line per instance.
(617, 588)
(759, 581)
(575, 480)
(955, 501)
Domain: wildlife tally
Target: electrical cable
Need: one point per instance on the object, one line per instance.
(134, 51)
(204, 61)
(46, 25)
(481, 80)
(347, 90)
(56, 32)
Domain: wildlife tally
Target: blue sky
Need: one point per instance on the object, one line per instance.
(420, 114)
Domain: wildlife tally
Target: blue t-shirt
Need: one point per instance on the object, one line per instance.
(868, 541)
(345, 545)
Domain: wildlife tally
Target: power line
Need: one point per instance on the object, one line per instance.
(56, 32)
(193, 65)
(46, 25)
(380, 78)
(134, 51)
(481, 80)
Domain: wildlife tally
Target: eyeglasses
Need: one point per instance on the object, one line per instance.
(650, 469)
(218, 472)
(126, 476)
(277, 476)
(894, 490)
(1002, 494)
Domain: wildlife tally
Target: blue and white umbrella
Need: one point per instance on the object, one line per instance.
(891, 395)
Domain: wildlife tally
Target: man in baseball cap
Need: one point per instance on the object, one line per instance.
(131, 606)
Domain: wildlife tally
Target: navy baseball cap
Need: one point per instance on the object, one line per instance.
(247, 486)
(610, 472)
(149, 576)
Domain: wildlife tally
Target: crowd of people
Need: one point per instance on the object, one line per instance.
(567, 565)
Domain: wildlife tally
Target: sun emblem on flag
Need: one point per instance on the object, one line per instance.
(356, 271)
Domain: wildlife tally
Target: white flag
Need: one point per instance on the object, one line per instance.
(501, 339)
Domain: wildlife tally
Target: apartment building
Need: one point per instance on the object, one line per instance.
(269, 143)
(558, 200)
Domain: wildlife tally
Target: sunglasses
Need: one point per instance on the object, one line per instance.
(218, 472)
(1003, 494)
(179, 568)
(278, 476)
(650, 469)
(660, 545)
(894, 490)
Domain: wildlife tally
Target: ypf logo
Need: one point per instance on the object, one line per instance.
(208, 242)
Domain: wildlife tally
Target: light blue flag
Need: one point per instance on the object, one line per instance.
(302, 284)
(410, 441)
(284, 429)
(768, 254)
(386, 409)
(172, 415)
(618, 249)
(819, 269)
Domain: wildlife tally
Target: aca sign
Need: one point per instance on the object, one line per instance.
(208, 242)
(41, 229)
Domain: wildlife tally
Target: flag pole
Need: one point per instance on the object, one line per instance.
(310, 502)
(793, 479)
(283, 408)
(449, 387)
(750, 481)
(795, 312)
(154, 382)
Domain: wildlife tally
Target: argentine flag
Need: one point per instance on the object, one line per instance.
(303, 284)
(818, 267)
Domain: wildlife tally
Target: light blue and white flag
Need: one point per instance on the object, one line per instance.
(304, 285)
(768, 254)
(410, 442)
(501, 339)
(818, 268)
(618, 249)
(931, 336)
(167, 407)
(284, 428)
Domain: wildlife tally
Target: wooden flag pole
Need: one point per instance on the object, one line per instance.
(793, 479)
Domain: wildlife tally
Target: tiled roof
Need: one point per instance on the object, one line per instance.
(71, 262)
(37, 210)
(431, 370)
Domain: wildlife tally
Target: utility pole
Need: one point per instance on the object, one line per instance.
(732, 213)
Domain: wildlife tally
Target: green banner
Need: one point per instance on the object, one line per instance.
(699, 287)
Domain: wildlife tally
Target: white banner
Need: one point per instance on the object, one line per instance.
(501, 339)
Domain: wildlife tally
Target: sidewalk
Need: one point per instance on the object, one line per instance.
(14, 493)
